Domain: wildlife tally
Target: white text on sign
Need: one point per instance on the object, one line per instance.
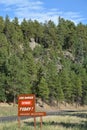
(26, 108)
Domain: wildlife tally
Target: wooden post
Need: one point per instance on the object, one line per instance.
(19, 121)
(34, 122)
(41, 122)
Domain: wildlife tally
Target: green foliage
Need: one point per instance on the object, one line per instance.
(1, 24)
(2, 87)
(56, 69)
(43, 89)
(66, 85)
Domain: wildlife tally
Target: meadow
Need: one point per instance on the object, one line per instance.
(76, 120)
(8, 110)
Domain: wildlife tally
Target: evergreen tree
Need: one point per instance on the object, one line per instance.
(48, 70)
(1, 24)
(59, 95)
(3, 67)
(66, 84)
(43, 89)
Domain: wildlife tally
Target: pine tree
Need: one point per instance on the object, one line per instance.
(43, 89)
(3, 67)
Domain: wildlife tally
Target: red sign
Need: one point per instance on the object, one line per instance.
(26, 104)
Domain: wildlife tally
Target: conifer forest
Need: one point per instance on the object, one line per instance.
(44, 59)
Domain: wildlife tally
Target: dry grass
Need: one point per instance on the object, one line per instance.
(8, 110)
(68, 121)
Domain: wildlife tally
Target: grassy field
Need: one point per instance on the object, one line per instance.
(8, 110)
(68, 121)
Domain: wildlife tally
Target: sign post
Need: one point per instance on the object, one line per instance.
(26, 107)
(41, 122)
(18, 121)
(35, 122)
(26, 104)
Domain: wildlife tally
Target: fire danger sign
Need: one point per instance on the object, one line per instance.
(26, 104)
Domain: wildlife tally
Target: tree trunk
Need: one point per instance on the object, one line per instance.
(58, 104)
(14, 100)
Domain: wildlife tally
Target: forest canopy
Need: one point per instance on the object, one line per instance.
(45, 59)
